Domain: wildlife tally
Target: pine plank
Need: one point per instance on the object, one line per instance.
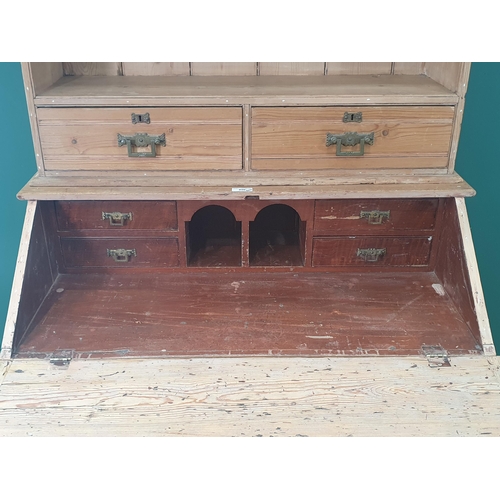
(292, 68)
(266, 185)
(18, 281)
(238, 312)
(358, 68)
(252, 397)
(255, 90)
(223, 68)
(92, 68)
(155, 68)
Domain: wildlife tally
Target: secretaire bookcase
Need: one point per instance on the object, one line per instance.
(270, 209)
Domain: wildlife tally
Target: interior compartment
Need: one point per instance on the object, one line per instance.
(58, 82)
(214, 305)
(275, 237)
(213, 238)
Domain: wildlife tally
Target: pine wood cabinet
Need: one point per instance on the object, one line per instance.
(222, 209)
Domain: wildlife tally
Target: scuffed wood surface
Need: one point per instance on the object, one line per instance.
(236, 89)
(245, 313)
(219, 185)
(251, 397)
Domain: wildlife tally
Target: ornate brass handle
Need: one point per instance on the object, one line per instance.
(374, 216)
(350, 139)
(141, 141)
(116, 218)
(371, 254)
(121, 255)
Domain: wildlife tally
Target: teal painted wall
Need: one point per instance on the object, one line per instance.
(17, 164)
(477, 162)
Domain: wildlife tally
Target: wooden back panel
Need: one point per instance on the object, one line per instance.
(450, 75)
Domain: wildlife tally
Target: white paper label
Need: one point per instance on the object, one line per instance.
(242, 190)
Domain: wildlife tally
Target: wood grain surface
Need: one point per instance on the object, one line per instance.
(344, 216)
(253, 313)
(385, 397)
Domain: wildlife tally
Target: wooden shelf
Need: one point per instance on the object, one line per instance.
(239, 90)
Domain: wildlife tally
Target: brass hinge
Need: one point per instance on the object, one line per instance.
(62, 357)
(436, 356)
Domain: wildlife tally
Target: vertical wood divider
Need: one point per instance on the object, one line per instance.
(247, 137)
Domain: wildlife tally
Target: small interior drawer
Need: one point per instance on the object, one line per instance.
(375, 252)
(116, 215)
(117, 252)
(374, 216)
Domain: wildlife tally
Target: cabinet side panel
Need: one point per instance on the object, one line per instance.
(39, 277)
(30, 92)
(475, 280)
(453, 75)
(45, 74)
(451, 268)
(32, 280)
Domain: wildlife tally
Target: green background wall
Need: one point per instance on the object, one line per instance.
(477, 162)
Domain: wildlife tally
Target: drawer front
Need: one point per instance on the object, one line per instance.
(116, 215)
(376, 216)
(401, 137)
(373, 252)
(120, 253)
(88, 138)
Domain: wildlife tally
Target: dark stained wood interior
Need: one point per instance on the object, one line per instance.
(275, 237)
(247, 278)
(213, 238)
(398, 252)
(451, 267)
(222, 313)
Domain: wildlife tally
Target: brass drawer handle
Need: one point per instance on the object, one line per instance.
(121, 255)
(375, 216)
(141, 141)
(350, 139)
(371, 254)
(116, 218)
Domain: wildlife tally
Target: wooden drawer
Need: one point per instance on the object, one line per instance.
(87, 138)
(403, 137)
(374, 216)
(116, 215)
(393, 252)
(97, 252)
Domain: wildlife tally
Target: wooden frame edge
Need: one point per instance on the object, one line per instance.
(29, 90)
(17, 283)
(475, 280)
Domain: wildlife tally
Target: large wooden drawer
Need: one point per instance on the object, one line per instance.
(403, 137)
(122, 253)
(88, 138)
(116, 215)
(374, 216)
(368, 251)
